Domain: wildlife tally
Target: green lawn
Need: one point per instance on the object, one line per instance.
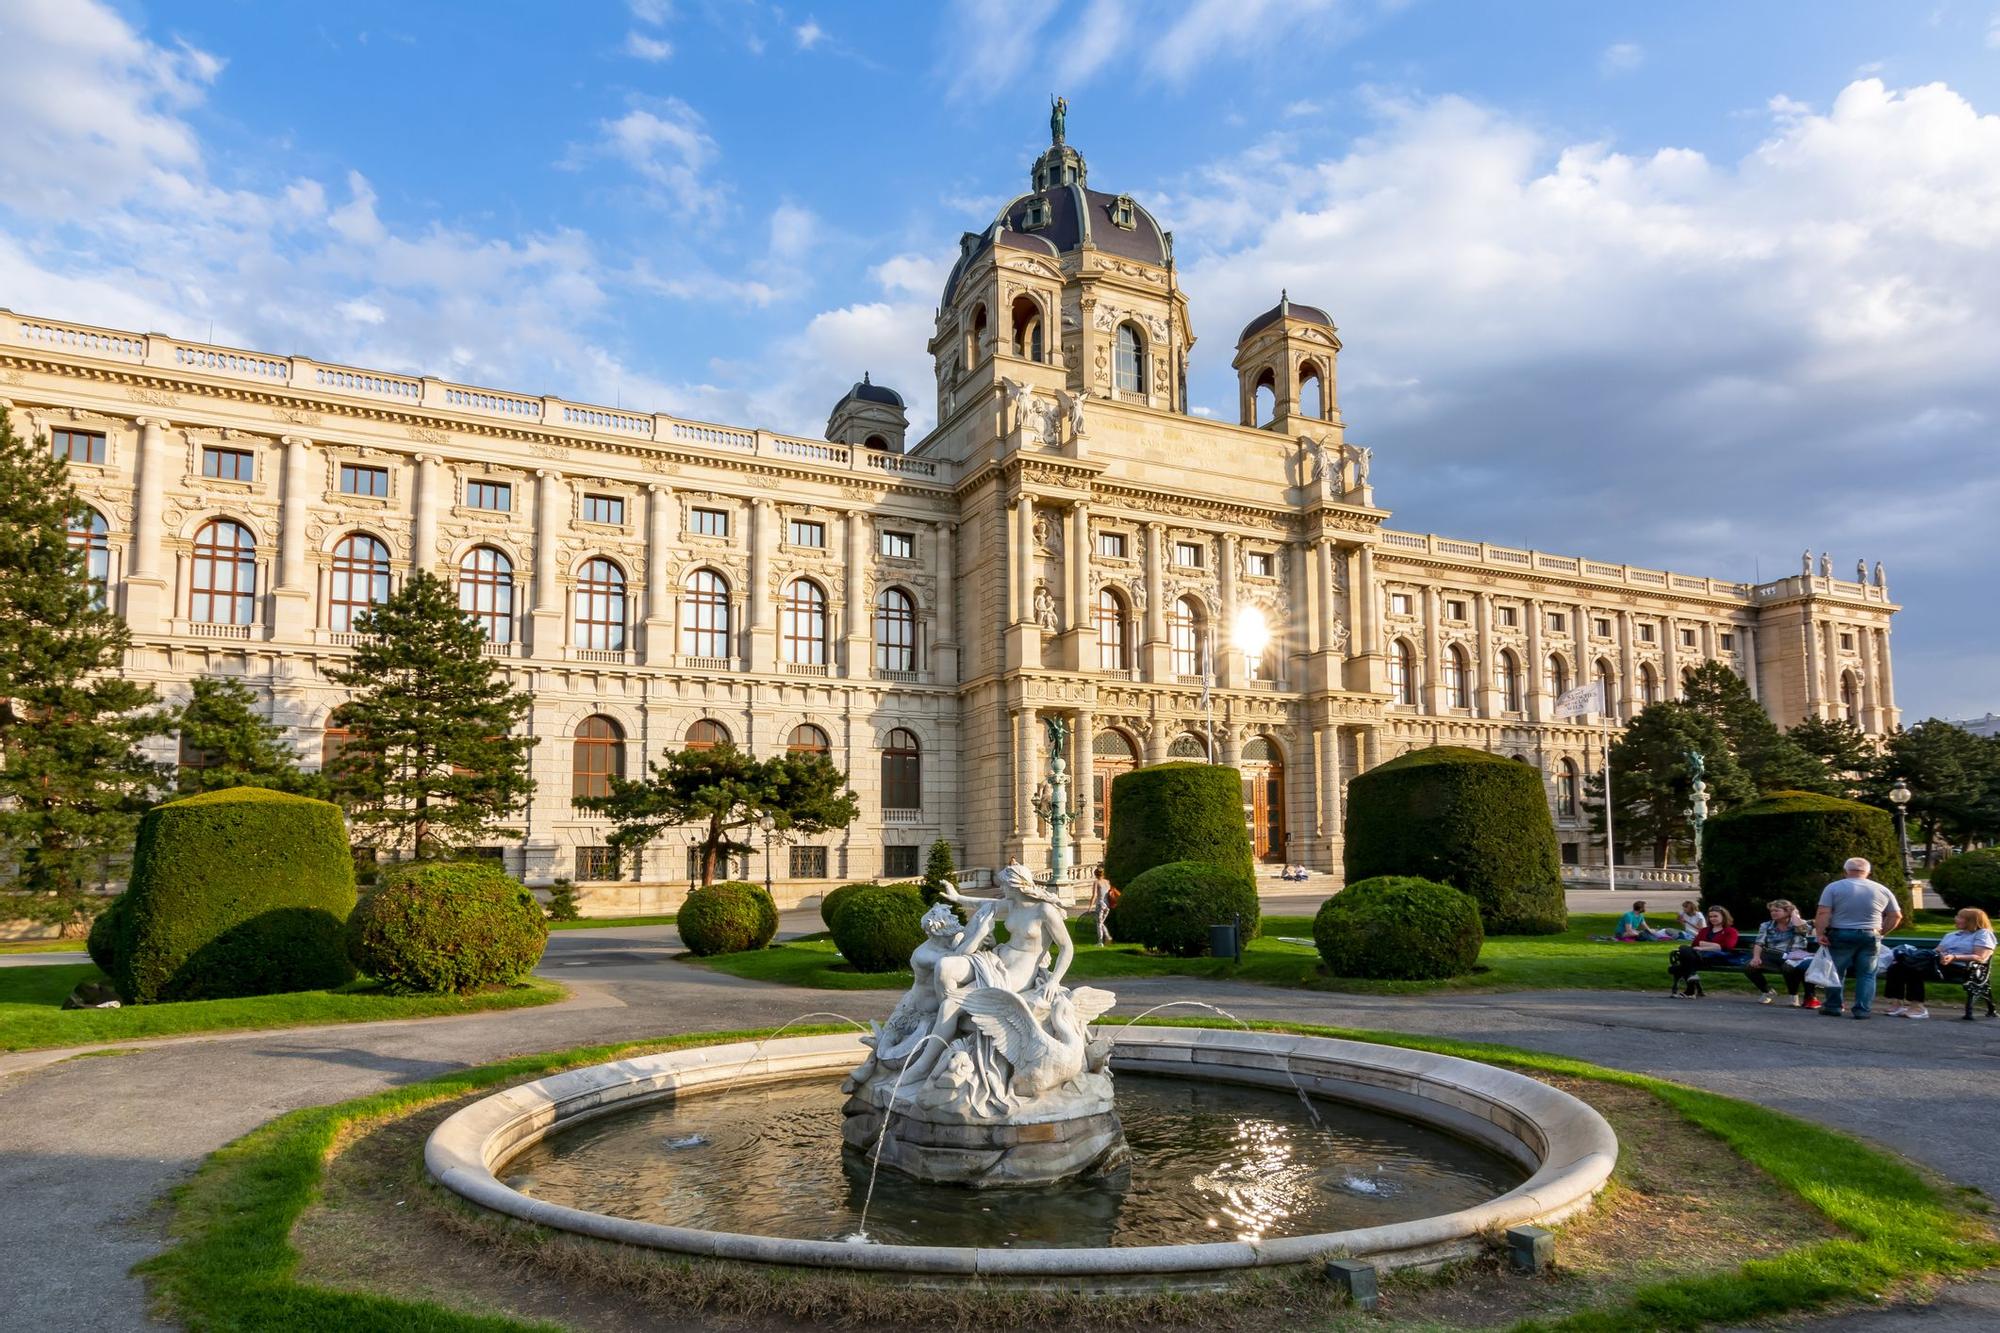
(41, 946)
(1569, 961)
(612, 922)
(31, 1016)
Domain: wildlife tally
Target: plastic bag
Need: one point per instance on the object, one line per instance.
(1823, 972)
(1885, 958)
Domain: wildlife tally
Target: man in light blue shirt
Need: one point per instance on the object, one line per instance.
(1854, 914)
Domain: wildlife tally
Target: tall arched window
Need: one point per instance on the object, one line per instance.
(486, 592)
(89, 533)
(1649, 685)
(705, 615)
(808, 739)
(597, 756)
(1403, 672)
(1607, 682)
(1187, 745)
(1569, 790)
(902, 772)
(357, 579)
(1185, 633)
(332, 740)
(895, 631)
(1510, 681)
(600, 606)
(1312, 392)
(1111, 654)
(1850, 698)
(1264, 398)
(802, 623)
(224, 581)
(1555, 677)
(1027, 320)
(1131, 359)
(978, 347)
(706, 734)
(1457, 679)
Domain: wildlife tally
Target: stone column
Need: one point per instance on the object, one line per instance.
(1891, 715)
(424, 508)
(1537, 665)
(1708, 640)
(551, 522)
(1079, 566)
(860, 639)
(1025, 777)
(291, 598)
(1082, 775)
(659, 635)
(148, 601)
(1323, 601)
(1831, 661)
(1156, 741)
(1748, 634)
(1329, 780)
(1871, 716)
(1153, 649)
(1811, 648)
(1628, 685)
(1230, 669)
(1486, 694)
(1024, 558)
(944, 641)
(1430, 694)
(759, 605)
(1670, 647)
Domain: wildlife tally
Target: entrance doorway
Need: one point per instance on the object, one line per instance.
(1264, 798)
(1111, 753)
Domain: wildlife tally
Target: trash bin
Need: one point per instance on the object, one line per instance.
(1222, 941)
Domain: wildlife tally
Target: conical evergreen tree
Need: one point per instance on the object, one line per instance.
(431, 765)
(1772, 761)
(1652, 782)
(225, 742)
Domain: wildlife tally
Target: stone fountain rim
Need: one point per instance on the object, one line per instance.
(1569, 1147)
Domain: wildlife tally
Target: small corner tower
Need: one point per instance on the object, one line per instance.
(1285, 370)
(870, 416)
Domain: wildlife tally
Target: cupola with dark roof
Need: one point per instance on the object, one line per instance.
(870, 416)
(1285, 370)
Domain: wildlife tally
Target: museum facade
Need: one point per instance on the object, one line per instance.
(1067, 542)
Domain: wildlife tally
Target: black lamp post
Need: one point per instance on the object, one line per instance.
(1899, 796)
(767, 824)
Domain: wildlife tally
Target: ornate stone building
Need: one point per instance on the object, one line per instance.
(1066, 540)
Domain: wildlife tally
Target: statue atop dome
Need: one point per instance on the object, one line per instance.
(1058, 118)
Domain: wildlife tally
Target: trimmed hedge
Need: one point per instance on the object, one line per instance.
(1970, 879)
(234, 892)
(730, 917)
(447, 926)
(1169, 908)
(1399, 928)
(106, 930)
(1790, 844)
(829, 903)
(1176, 812)
(1479, 822)
(879, 926)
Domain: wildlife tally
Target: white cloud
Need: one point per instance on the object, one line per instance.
(1993, 32)
(654, 12)
(1620, 58)
(666, 142)
(641, 47)
(808, 35)
(362, 311)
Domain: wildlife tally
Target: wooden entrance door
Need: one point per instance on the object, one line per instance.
(1264, 798)
(1110, 754)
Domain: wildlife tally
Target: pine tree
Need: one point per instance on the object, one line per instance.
(73, 780)
(1652, 783)
(939, 870)
(1843, 750)
(431, 765)
(1771, 760)
(1954, 778)
(225, 742)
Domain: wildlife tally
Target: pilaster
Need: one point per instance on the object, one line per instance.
(657, 636)
(291, 599)
(148, 600)
(545, 621)
(759, 603)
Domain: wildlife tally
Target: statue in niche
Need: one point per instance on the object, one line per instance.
(1045, 609)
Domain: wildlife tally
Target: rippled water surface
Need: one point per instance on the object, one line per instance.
(1209, 1162)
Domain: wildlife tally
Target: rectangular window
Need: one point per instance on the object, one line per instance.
(1399, 604)
(355, 479)
(1572, 854)
(1645, 632)
(808, 863)
(1111, 545)
(901, 545)
(1558, 621)
(1847, 643)
(1601, 627)
(596, 863)
(1510, 616)
(1187, 555)
(604, 509)
(1262, 565)
(79, 446)
(1687, 638)
(1454, 609)
(808, 534)
(722, 866)
(228, 464)
(1728, 642)
(898, 862)
(709, 522)
(495, 495)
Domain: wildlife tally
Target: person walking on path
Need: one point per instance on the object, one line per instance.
(1101, 894)
(1854, 914)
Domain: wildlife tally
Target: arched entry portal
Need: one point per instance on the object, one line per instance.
(1111, 753)
(1264, 798)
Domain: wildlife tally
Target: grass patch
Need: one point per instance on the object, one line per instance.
(1880, 1227)
(41, 946)
(613, 922)
(32, 1016)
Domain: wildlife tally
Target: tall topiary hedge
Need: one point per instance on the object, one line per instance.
(447, 926)
(730, 917)
(1398, 927)
(879, 926)
(1970, 879)
(1177, 812)
(241, 891)
(1169, 908)
(1476, 821)
(1790, 844)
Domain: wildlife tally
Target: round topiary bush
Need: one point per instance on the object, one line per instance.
(1399, 928)
(1791, 844)
(107, 931)
(829, 903)
(1970, 879)
(1169, 908)
(234, 892)
(1177, 812)
(1479, 822)
(447, 926)
(879, 927)
(730, 917)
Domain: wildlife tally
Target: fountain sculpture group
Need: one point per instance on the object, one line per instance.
(987, 1072)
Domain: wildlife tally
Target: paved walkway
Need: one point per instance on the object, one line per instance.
(88, 1146)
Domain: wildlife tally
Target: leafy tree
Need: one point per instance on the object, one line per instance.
(939, 869)
(1772, 761)
(234, 746)
(1843, 750)
(73, 780)
(1954, 779)
(1651, 784)
(722, 791)
(431, 764)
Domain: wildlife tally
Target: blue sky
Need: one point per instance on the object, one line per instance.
(1692, 286)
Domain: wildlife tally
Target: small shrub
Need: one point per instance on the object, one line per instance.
(730, 917)
(878, 927)
(939, 869)
(445, 926)
(107, 933)
(1970, 879)
(1169, 908)
(1398, 927)
(562, 904)
(1791, 844)
(829, 903)
(1176, 812)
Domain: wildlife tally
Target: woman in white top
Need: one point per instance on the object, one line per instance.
(1693, 920)
(1972, 942)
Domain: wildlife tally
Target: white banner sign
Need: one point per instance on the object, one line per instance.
(1583, 699)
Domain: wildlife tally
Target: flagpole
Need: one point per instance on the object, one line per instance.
(1610, 843)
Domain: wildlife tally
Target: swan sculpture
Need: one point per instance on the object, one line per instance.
(1042, 1056)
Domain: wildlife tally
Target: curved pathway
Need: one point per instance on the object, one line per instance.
(88, 1146)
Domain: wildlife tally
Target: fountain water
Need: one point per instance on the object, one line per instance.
(1297, 1087)
(860, 1236)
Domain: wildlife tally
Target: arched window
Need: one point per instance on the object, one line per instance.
(1649, 685)
(89, 533)
(1510, 681)
(1111, 654)
(1026, 317)
(1187, 745)
(978, 347)
(808, 739)
(224, 579)
(1569, 790)
(486, 592)
(332, 741)
(1185, 635)
(875, 442)
(802, 623)
(597, 756)
(1457, 679)
(1112, 753)
(357, 580)
(902, 772)
(705, 615)
(1403, 672)
(1131, 366)
(1264, 398)
(706, 734)
(1607, 682)
(1850, 698)
(1555, 677)
(895, 631)
(1687, 679)
(1312, 392)
(600, 606)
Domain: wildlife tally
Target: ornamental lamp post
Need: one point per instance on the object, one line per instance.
(768, 824)
(1697, 800)
(1899, 797)
(1052, 803)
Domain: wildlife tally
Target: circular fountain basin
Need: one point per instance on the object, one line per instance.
(1564, 1147)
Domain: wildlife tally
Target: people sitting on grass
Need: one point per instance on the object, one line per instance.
(1692, 921)
(1854, 914)
(1293, 872)
(1781, 945)
(1633, 928)
(1715, 942)
(1972, 942)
